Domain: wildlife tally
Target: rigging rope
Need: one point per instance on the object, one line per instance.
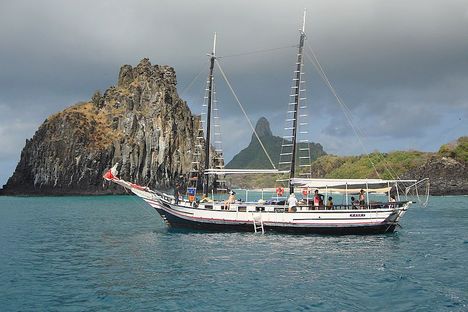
(324, 77)
(245, 114)
(193, 80)
(344, 108)
(415, 186)
(258, 51)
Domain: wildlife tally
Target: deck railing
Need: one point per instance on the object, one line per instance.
(356, 206)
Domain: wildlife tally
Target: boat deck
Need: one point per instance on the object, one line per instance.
(257, 207)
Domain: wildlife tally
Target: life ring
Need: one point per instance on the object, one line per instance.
(305, 191)
(279, 191)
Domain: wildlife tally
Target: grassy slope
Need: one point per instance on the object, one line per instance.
(388, 165)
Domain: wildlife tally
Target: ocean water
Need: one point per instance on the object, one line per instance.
(113, 253)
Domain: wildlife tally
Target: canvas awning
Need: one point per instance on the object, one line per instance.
(347, 185)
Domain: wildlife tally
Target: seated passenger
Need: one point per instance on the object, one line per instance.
(330, 203)
(206, 199)
(231, 199)
(354, 202)
(392, 200)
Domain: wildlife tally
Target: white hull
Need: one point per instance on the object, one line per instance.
(247, 216)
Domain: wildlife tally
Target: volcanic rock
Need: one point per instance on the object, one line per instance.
(141, 123)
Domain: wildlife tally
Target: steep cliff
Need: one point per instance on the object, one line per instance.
(140, 123)
(447, 176)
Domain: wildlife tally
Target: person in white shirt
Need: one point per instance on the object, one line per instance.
(292, 202)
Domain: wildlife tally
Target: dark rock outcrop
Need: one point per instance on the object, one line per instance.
(447, 176)
(140, 123)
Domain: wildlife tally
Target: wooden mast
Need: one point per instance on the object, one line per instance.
(208, 118)
(297, 86)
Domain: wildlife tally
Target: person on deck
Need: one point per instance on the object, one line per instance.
(354, 202)
(330, 203)
(362, 199)
(317, 199)
(205, 199)
(292, 202)
(231, 199)
(176, 193)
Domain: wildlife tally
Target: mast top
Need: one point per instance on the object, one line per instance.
(213, 53)
(303, 21)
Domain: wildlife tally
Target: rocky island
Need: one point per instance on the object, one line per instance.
(140, 123)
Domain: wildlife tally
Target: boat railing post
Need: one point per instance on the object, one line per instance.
(367, 194)
(246, 195)
(346, 194)
(388, 186)
(397, 192)
(262, 193)
(326, 195)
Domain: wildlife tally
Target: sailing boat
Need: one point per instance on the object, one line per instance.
(307, 216)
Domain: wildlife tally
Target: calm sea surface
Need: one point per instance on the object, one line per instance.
(114, 253)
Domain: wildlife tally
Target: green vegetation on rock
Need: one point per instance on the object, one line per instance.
(457, 150)
(387, 165)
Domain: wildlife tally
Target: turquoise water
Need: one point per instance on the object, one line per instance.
(115, 254)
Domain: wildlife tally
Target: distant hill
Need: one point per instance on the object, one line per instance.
(446, 169)
(253, 156)
(390, 165)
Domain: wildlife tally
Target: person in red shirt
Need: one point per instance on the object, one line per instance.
(316, 199)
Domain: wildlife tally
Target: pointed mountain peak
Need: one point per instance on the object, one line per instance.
(263, 128)
(253, 156)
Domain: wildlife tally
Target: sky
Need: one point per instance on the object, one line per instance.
(401, 67)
